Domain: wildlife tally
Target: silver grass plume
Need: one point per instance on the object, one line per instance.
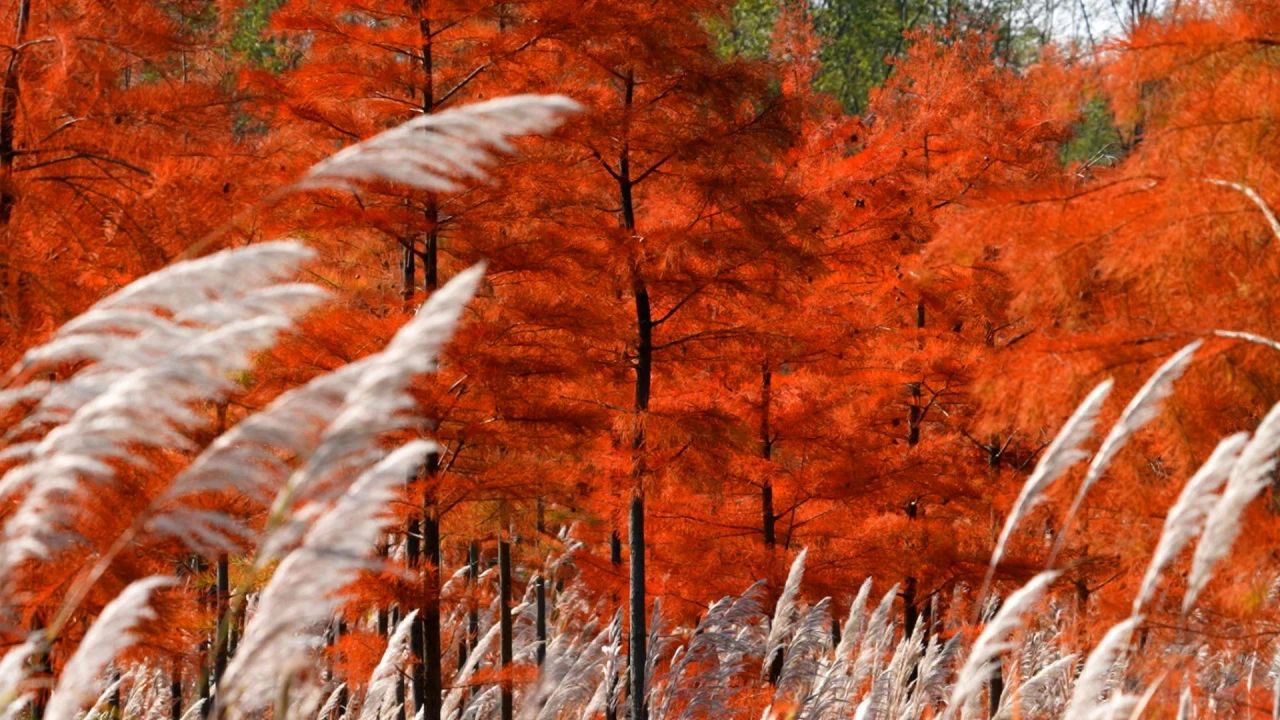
(568, 678)
(377, 403)
(432, 151)
(1248, 337)
(1142, 409)
(301, 595)
(1034, 696)
(113, 631)
(1091, 684)
(380, 694)
(785, 613)
(805, 646)
(451, 706)
(995, 640)
(606, 699)
(1248, 477)
(14, 669)
(933, 673)
(831, 689)
(99, 706)
(1189, 511)
(700, 676)
(331, 703)
(1255, 198)
(1061, 454)
(143, 396)
(875, 641)
(902, 672)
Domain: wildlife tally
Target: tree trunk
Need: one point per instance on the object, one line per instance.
(767, 516)
(175, 693)
(540, 592)
(504, 619)
(429, 676)
(9, 114)
(638, 636)
(223, 645)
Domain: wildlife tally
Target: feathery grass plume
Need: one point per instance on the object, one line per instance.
(994, 640)
(149, 407)
(831, 690)
(1248, 337)
(902, 673)
(377, 403)
(301, 595)
(141, 399)
(108, 693)
(330, 703)
(1251, 473)
(785, 614)
(451, 706)
(432, 151)
(810, 638)
(380, 693)
(1142, 409)
(148, 321)
(606, 698)
(14, 669)
(655, 647)
(113, 631)
(1189, 511)
(1091, 683)
(1255, 198)
(875, 640)
(933, 674)
(569, 676)
(699, 680)
(1061, 454)
(1032, 696)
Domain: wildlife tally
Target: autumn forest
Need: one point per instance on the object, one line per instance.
(542, 359)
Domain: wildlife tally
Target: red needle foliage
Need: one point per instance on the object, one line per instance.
(721, 321)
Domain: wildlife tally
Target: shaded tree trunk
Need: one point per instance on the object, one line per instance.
(505, 627)
(429, 676)
(768, 517)
(9, 102)
(638, 636)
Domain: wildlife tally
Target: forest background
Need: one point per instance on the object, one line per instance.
(821, 276)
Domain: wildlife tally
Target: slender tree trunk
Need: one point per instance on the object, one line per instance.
(473, 613)
(408, 271)
(175, 692)
(504, 619)
(9, 100)
(41, 669)
(767, 516)
(429, 675)
(113, 702)
(428, 681)
(638, 636)
(223, 644)
(540, 593)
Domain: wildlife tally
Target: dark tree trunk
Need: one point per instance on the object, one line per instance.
(408, 271)
(223, 645)
(175, 693)
(540, 593)
(638, 636)
(429, 677)
(9, 95)
(767, 516)
(504, 619)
